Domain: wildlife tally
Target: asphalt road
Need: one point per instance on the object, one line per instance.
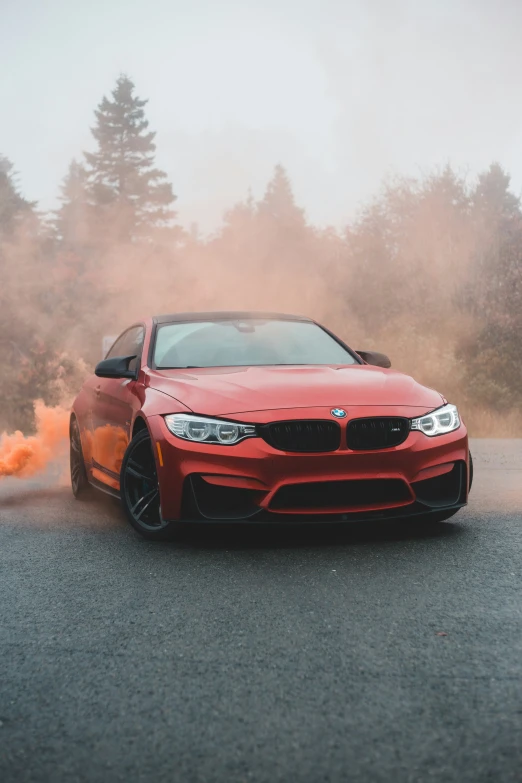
(363, 653)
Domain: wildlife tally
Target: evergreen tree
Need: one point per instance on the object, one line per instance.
(279, 203)
(28, 360)
(492, 198)
(123, 182)
(72, 219)
(493, 358)
(12, 205)
(498, 228)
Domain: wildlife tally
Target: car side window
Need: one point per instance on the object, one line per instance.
(130, 342)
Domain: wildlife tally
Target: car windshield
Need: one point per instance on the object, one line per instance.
(245, 343)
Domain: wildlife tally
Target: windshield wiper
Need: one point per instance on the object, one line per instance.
(185, 367)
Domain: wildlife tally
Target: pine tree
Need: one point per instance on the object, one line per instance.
(12, 205)
(498, 226)
(494, 356)
(279, 203)
(26, 352)
(492, 198)
(72, 219)
(124, 184)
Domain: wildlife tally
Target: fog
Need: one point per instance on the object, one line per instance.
(343, 93)
(395, 219)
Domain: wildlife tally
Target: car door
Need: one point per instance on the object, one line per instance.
(114, 402)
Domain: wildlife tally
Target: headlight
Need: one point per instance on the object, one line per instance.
(203, 430)
(441, 421)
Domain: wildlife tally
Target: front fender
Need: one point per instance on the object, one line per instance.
(157, 403)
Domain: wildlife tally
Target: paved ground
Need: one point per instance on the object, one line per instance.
(263, 655)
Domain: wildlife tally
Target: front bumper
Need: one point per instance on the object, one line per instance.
(253, 480)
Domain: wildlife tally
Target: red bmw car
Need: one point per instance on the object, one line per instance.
(262, 417)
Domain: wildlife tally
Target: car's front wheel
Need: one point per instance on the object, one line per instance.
(139, 489)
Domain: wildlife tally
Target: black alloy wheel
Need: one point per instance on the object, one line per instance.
(139, 488)
(79, 481)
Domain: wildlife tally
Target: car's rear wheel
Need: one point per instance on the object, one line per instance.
(79, 481)
(139, 489)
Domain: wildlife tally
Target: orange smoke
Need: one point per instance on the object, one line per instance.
(25, 455)
(106, 446)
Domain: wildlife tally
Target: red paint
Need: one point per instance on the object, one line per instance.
(260, 395)
(225, 391)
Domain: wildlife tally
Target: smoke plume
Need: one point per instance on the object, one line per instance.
(429, 272)
(26, 455)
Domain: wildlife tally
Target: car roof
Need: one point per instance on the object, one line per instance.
(226, 315)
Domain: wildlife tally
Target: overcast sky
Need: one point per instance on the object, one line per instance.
(341, 93)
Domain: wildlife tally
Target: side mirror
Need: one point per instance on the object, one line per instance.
(377, 359)
(116, 367)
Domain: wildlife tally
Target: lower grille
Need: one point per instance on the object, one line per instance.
(376, 433)
(312, 435)
(341, 494)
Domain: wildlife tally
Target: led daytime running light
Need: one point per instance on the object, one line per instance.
(200, 429)
(440, 422)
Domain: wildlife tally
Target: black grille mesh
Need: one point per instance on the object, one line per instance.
(313, 435)
(376, 433)
(341, 494)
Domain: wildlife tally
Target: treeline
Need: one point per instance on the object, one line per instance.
(430, 272)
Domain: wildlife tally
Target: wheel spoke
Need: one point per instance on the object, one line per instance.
(139, 475)
(143, 466)
(149, 497)
(134, 463)
(140, 486)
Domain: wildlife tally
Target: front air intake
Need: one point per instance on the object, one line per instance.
(376, 433)
(308, 435)
(342, 495)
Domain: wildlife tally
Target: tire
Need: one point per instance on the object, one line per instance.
(470, 471)
(79, 481)
(139, 489)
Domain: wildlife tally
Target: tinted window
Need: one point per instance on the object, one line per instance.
(244, 343)
(129, 343)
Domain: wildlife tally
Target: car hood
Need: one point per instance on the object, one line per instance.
(230, 390)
